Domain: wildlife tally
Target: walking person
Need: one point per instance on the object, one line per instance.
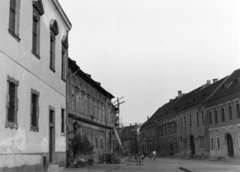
(154, 155)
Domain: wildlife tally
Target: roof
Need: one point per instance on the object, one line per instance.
(198, 97)
(86, 77)
(231, 85)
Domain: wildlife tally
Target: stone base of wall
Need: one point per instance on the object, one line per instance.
(29, 162)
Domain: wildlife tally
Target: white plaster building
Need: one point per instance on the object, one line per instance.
(33, 53)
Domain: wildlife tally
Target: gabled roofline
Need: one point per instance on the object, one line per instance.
(62, 14)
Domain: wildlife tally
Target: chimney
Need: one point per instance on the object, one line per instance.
(147, 117)
(179, 93)
(214, 80)
(208, 82)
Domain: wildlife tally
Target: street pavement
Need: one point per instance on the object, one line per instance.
(165, 165)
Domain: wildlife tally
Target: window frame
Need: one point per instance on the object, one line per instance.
(36, 33)
(14, 13)
(223, 114)
(230, 112)
(36, 127)
(216, 116)
(211, 143)
(217, 142)
(197, 119)
(63, 121)
(8, 123)
(210, 117)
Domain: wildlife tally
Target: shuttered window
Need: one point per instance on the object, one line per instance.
(34, 110)
(62, 121)
(12, 103)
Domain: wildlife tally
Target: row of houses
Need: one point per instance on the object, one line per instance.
(45, 95)
(203, 122)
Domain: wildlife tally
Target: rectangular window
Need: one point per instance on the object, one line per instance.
(238, 110)
(14, 18)
(185, 122)
(36, 34)
(34, 110)
(218, 144)
(223, 115)
(197, 119)
(12, 103)
(101, 143)
(210, 117)
(52, 51)
(211, 146)
(181, 123)
(190, 120)
(216, 116)
(62, 121)
(64, 58)
(202, 117)
(230, 112)
(96, 143)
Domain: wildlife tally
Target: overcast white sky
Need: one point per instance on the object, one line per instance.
(147, 50)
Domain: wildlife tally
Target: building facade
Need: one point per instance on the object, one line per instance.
(90, 110)
(33, 53)
(223, 112)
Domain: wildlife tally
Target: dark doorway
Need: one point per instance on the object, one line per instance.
(192, 145)
(51, 135)
(230, 145)
(171, 147)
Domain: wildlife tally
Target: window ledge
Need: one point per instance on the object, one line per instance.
(52, 69)
(35, 54)
(63, 134)
(63, 79)
(14, 35)
(34, 129)
(11, 125)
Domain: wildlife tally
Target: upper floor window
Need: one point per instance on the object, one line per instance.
(34, 110)
(223, 115)
(181, 123)
(37, 12)
(238, 110)
(185, 123)
(53, 34)
(216, 116)
(210, 117)
(14, 18)
(12, 103)
(202, 117)
(64, 56)
(190, 120)
(230, 112)
(197, 119)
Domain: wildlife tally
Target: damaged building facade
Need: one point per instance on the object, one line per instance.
(33, 53)
(90, 110)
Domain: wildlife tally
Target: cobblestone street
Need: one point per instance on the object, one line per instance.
(165, 165)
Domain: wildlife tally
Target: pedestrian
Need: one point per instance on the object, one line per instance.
(142, 157)
(154, 155)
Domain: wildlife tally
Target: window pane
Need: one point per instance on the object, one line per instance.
(11, 108)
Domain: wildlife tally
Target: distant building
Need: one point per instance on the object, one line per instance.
(204, 121)
(192, 120)
(33, 51)
(90, 110)
(129, 137)
(223, 110)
